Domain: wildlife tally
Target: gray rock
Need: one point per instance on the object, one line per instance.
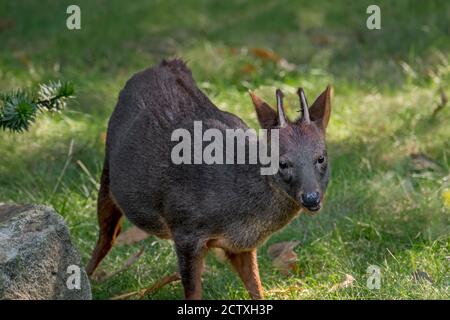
(35, 255)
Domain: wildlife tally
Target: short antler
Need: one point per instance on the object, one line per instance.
(281, 116)
(304, 106)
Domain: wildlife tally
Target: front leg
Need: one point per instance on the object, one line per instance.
(191, 262)
(246, 265)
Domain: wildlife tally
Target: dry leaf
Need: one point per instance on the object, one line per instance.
(276, 249)
(248, 68)
(234, 51)
(23, 58)
(6, 23)
(265, 54)
(348, 282)
(283, 256)
(320, 39)
(131, 236)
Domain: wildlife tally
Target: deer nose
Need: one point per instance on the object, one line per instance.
(310, 199)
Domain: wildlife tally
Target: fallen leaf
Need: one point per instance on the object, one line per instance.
(265, 54)
(131, 236)
(283, 256)
(276, 249)
(421, 276)
(347, 283)
(7, 24)
(23, 58)
(234, 51)
(248, 68)
(321, 39)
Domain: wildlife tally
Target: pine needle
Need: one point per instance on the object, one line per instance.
(19, 108)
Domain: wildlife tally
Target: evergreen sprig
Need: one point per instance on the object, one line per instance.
(18, 109)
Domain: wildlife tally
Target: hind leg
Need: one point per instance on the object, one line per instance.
(246, 265)
(109, 220)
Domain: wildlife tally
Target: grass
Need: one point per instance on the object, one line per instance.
(378, 211)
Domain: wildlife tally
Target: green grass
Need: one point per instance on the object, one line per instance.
(378, 211)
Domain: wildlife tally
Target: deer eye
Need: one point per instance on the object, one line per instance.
(321, 159)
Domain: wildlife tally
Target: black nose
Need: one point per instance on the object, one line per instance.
(310, 199)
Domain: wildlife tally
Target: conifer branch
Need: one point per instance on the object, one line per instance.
(19, 108)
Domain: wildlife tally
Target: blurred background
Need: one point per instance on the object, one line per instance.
(389, 200)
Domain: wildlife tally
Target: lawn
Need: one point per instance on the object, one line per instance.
(384, 206)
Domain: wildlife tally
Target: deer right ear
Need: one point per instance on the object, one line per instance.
(267, 117)
(321, 108)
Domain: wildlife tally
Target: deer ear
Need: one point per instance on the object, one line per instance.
(321, 108)
(267, 117)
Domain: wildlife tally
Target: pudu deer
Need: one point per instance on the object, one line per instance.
(232, 207)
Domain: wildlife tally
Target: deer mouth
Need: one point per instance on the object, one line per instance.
(312, 210)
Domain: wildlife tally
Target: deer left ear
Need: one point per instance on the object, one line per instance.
(267, 117)
(321, 108)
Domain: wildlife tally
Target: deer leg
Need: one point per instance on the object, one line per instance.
(246, 265)
(109, 220)
(191, 263)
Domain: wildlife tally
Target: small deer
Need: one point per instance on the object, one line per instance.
(232, 207)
